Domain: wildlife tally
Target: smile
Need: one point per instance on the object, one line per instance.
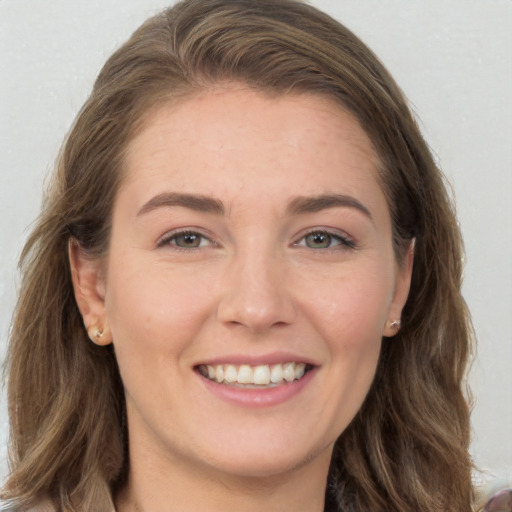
(260, 375)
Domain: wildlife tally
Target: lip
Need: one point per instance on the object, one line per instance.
(256, 360)
(257, 398)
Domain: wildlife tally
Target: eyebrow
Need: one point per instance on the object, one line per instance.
(306, 204)
(298, 205)
(195, 202)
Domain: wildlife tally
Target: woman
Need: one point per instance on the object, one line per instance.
(244, 288)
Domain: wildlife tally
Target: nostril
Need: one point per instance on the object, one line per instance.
(257, 314)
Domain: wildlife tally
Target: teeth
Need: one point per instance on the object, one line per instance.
(289, 372)
(219, 373)
(300, 370)
(261, 375)
(231, 374)
(245, 374)
(276, 374)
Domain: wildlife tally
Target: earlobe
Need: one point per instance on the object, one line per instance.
(391, 328)
(89, 289)
(402, 286)
(100, 336)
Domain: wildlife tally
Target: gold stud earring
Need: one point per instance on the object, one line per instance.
(95, 334)
(395, 324)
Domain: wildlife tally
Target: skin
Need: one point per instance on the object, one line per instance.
(255, 287)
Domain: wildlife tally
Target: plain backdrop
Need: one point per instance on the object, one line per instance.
(451, 57)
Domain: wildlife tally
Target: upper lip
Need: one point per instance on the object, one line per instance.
(256, 360)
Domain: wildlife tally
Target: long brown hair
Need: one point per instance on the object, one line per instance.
(407, 448)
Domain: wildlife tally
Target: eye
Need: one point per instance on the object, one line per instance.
(321, 239)
(185, 240)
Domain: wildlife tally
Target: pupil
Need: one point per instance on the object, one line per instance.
(189, 239)
(319, 240)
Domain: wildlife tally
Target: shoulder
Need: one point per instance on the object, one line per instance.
(500, 502)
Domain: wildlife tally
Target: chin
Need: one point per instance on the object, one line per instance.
(265, 463)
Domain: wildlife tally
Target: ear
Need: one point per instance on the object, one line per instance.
(89, 286)
(401, 292)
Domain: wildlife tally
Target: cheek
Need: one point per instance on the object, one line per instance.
(153, 310)
(350, 319)
(352, 307)
(349, 313)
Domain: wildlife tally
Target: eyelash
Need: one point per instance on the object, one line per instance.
(170, 239)
(344, 241)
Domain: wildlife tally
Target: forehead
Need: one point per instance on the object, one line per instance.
(240, 137)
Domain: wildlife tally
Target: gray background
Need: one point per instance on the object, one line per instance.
(451, 57)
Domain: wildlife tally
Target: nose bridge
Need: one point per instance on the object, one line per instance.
(256, 295)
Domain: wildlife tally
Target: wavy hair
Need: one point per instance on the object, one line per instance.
(407, 448)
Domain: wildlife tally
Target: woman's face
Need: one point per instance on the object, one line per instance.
(249, 281)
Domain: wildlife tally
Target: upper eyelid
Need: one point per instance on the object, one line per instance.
(334, 232)
(338, 233)
(169, 235)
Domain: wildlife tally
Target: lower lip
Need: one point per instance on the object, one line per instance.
(264, 397)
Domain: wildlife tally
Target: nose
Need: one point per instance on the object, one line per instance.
(257, 295)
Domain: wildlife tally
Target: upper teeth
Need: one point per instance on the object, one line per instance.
(261, 375)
